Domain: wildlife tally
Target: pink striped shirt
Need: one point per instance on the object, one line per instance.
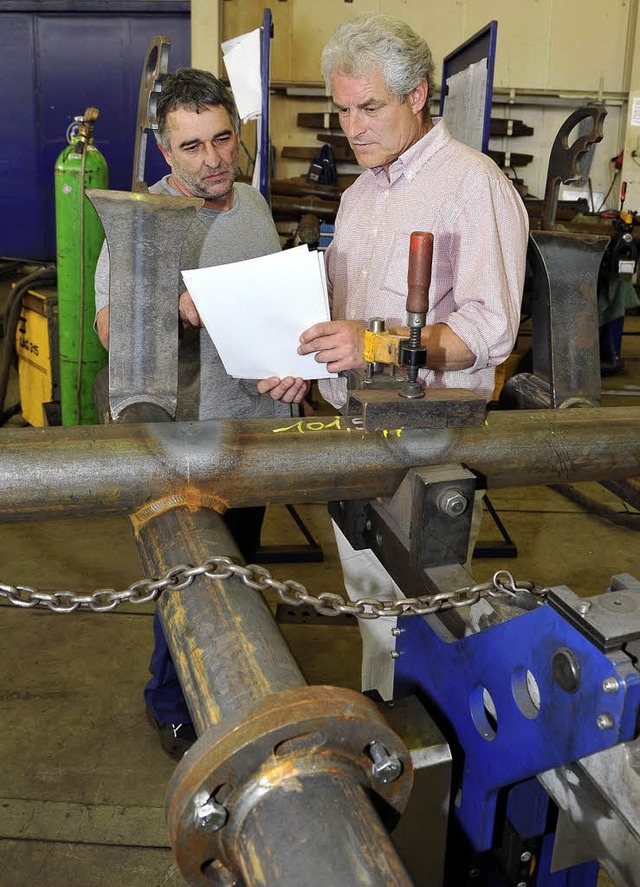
(480, 230)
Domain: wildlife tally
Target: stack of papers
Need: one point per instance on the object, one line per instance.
(256, 310)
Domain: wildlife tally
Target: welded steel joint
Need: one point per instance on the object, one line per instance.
(283, 751)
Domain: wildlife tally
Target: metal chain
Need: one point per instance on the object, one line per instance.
(259, 578)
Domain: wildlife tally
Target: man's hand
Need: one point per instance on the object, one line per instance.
(288, 390)
(338, 343)
(188, 311)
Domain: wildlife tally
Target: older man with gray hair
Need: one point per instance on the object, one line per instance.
(417, 178)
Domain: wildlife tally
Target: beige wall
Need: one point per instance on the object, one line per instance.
(631, 166)
(551, 48)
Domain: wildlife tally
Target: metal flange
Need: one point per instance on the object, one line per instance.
(292, 735)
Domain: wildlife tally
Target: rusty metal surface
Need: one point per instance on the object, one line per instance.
(144, 234)
(291, 767)
(226, 646)
(285, 753)
(349, 847)
(565, 314)
(97, 469)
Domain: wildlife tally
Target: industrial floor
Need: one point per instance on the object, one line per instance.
(83, 777)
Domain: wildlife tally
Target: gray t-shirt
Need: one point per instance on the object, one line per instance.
(246, 231)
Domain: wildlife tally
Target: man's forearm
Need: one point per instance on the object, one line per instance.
(445, 349)
(102, 326)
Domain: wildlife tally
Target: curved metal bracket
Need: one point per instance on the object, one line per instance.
(144, 234)
(155, 69)
(563, 160)
(565, 314)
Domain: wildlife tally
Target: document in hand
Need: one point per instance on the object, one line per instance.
(256, 310)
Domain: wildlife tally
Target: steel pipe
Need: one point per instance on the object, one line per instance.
(344, 847)
(241, 654)
(296, 808)
(98, 469)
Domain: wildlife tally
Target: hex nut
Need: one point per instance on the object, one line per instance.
(453, 502)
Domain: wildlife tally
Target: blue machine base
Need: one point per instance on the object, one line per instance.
(498, 697)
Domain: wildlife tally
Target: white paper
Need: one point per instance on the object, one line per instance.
(256, 310)
(241, 57)
(464, 105)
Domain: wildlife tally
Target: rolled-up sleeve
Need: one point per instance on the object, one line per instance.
(488, 261)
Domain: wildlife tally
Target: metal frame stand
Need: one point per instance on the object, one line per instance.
(506, 548)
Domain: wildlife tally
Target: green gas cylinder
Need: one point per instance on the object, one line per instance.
(79, 238)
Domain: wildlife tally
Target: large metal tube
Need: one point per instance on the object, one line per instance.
(89, 470)
(241, 654)
(316, 844)
(310, 819)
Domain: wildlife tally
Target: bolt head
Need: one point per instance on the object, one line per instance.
(610, 685)
(388, 770)
(604, 721)
(453, 502)
(211, 816)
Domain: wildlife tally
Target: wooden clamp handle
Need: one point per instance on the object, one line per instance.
(419, 277)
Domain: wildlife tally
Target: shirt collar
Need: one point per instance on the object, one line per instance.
(412, 160)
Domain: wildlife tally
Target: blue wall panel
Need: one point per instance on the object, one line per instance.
(54, 63)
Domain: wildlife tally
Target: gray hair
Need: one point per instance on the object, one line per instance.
(194, 90)
(372, 42)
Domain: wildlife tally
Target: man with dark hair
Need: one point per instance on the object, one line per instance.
(198, 135)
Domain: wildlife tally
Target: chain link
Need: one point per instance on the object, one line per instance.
(104, 600)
